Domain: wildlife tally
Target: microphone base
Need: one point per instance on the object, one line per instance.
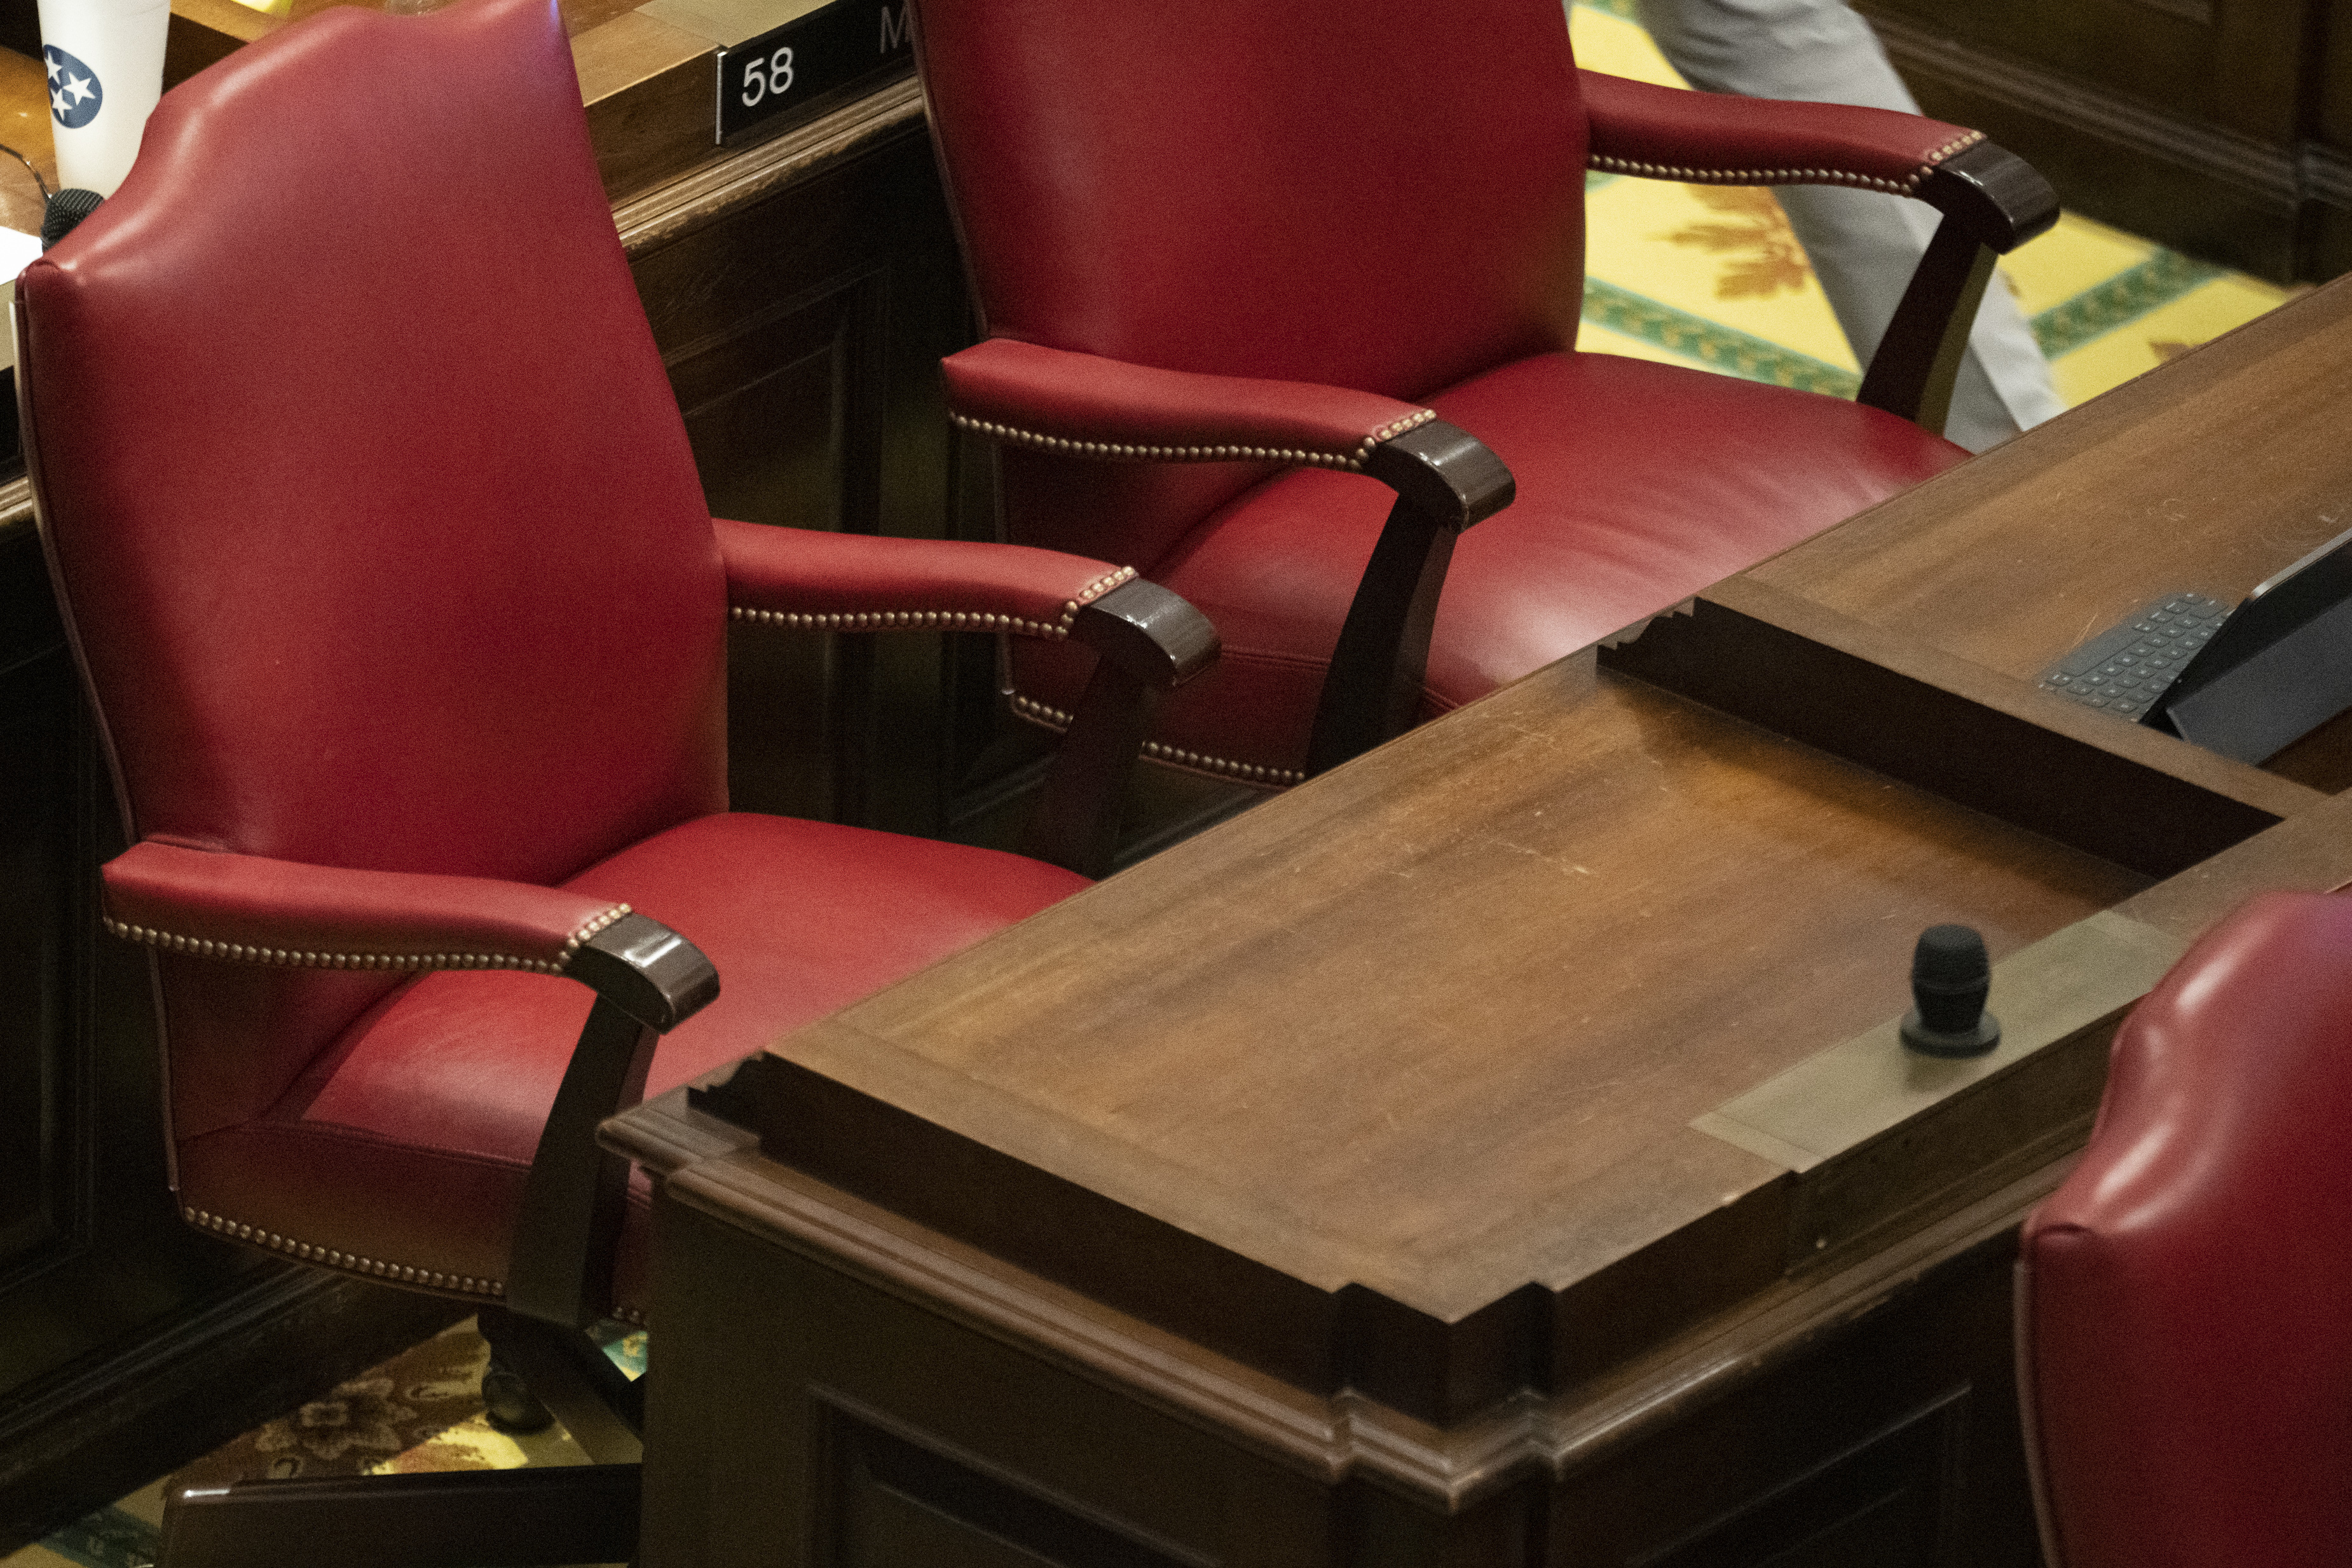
(1976, 1041)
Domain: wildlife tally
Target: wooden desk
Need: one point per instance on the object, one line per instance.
(1497, 1150)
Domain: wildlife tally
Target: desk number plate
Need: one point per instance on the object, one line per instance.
(786, 68)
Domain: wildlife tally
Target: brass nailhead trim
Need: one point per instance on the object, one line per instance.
(432, 1279)
(951, 620)
(1787, 176)
(571, 944)
(1115, 452)
(292, 958)
(1225, 767)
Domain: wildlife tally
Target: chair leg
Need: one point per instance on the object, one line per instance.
(597, 1404)
(509, 1403)
(462, 1519)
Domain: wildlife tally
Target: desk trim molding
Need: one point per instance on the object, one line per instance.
(1526, 1435)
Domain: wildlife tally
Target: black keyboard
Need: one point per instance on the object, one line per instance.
(2123, 671)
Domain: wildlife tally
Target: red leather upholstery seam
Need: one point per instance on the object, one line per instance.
(351, 1262)
(1118, 451)
(952, 620)
(1055, 719)
(1786, 176)
(284, 957)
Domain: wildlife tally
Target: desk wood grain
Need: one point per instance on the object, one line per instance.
(1349, 1141)
(2210, 476)
(1431, 1029)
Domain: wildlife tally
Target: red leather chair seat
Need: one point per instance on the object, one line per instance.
(408, 1139)
(1639, 485)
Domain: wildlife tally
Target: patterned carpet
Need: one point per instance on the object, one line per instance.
(1706, 275)
(1690, 275)
(422, 1410)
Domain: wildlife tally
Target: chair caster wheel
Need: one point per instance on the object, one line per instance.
(510, 1405)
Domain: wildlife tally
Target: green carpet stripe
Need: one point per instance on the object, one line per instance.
(107, 1538)
(1622, 310)
(2120, 300)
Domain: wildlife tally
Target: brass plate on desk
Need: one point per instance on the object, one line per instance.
(2074, 980)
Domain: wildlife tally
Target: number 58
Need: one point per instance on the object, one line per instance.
(770, 78)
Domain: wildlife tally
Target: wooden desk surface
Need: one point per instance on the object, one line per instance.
(1436, 1027)
(2208, 477)
(1389, 1082)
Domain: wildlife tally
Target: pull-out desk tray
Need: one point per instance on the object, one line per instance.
(1497, 1149)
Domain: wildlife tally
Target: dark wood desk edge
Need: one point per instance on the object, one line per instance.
(1921, 661)
(1905, 709)
(2309, 853)
(15, 504)
(690, 201)
(718, 1174)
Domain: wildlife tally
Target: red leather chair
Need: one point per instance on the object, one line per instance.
(1296, 244)
(390, 572)
(2185, 1299)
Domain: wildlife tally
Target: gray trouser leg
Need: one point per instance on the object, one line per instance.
(1863, 244)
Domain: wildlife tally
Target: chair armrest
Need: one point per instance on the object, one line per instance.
(1147, 641)
(1709, 138)
(254, 910)
(1446, 481)
(1721, 139)
(647, 979)
(811, 579)
(1992, 201)
(1088, 406)
(251, 909)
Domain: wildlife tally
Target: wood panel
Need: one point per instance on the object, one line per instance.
(90, 1236)
(1864, 1408)
(2167, 53)
(129, 1342)
(1894, 1445)
(803, 299)
(2205, 124)
(42, 1004)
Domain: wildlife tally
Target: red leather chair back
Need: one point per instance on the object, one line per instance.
(326, 302)
(2185, 1299)
(1381, 194)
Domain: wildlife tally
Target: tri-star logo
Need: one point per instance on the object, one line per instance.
(75, 92)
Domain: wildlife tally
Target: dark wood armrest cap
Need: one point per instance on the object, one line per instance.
(1446, 472)
(1153, 634)
(2001, 199)
(646, 970)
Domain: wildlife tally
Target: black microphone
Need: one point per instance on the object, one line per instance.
(63, 210)
(1951, 977)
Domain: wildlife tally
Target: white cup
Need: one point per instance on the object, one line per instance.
(105, 59)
